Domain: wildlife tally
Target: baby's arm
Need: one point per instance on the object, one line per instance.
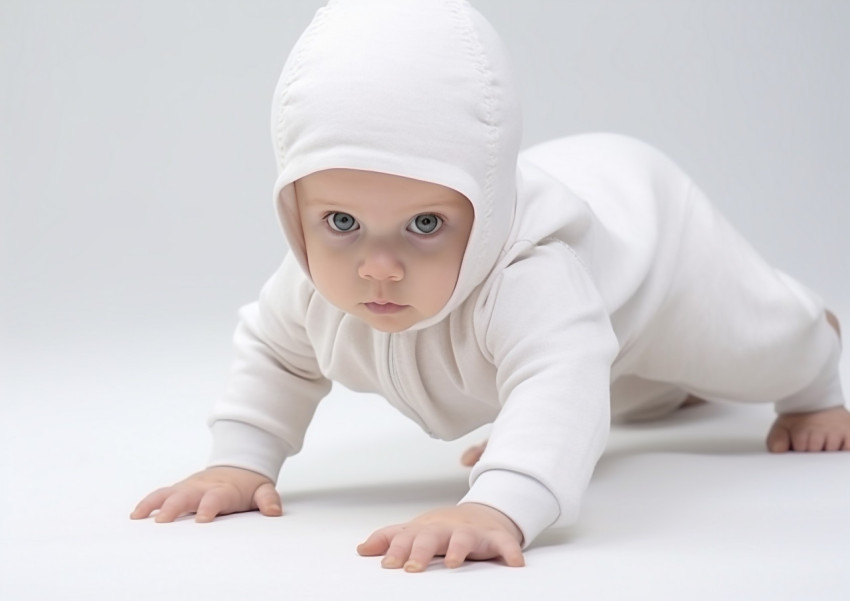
(466, 531)
(551, 343)
(214, 491)
(273, 389)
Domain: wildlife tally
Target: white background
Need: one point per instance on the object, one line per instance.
(135, 187)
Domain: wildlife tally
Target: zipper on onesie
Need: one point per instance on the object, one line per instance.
(398, 388)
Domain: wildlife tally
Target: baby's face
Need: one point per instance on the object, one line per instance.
(384, 248)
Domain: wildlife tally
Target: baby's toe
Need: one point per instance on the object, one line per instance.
(778, 440)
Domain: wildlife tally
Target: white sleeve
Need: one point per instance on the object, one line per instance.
(275, 384)
(553, 345)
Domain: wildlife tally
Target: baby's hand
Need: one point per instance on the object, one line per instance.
(827, 430)
(214, 491)
(467, 531)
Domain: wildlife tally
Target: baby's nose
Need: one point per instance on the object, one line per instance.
(381, 264)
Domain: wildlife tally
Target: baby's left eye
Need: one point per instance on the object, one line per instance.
(427, 223)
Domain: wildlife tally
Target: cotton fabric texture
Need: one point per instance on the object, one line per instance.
(597, 276)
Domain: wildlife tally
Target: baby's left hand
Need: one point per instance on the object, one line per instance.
(467, 531)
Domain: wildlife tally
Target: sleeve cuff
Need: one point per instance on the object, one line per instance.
(236, 444)
(530, 505)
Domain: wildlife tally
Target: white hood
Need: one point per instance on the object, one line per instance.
(416, 88)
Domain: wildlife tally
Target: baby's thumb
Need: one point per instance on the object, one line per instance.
(268, 500)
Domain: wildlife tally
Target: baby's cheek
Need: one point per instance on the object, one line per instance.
(441, 285)
(328, 277)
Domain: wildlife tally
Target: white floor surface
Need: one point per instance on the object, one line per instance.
(687, 508)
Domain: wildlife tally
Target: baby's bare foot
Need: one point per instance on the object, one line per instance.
(827, 430)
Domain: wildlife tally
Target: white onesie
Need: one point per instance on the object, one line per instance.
(596, 277)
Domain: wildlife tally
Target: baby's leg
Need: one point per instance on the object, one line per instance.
(734, 328)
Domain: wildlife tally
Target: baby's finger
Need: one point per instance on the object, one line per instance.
(179, 503)
(800, 440)
(817, 441)
(399, 550)
(425, 546)
(214, 502)
(779, 440)
(460, 546)
(150, 503)
(508, 549)
(268, 500)
(377, 543)
(834, 441)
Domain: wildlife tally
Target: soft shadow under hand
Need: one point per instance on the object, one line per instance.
(442, 491)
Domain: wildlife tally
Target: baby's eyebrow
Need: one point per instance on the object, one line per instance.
(325, 202)
(423, 204)
(438, 202)
(442, 200)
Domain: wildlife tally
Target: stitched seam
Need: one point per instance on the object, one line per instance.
(474, 51)
(292, 73)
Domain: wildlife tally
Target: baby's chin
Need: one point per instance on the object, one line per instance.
(389, 324)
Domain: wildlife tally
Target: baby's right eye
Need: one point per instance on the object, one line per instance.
(342, 222)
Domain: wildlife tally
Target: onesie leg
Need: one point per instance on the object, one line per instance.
(734, 328)
(824, 430)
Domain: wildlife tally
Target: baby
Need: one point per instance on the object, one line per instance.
(542, 292)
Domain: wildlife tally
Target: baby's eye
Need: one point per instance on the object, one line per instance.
(427, 223)
(342, 222)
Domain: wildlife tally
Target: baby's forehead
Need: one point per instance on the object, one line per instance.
(358, 186)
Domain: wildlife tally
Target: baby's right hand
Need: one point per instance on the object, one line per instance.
(214, 491)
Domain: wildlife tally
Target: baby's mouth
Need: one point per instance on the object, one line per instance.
(381, 307)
